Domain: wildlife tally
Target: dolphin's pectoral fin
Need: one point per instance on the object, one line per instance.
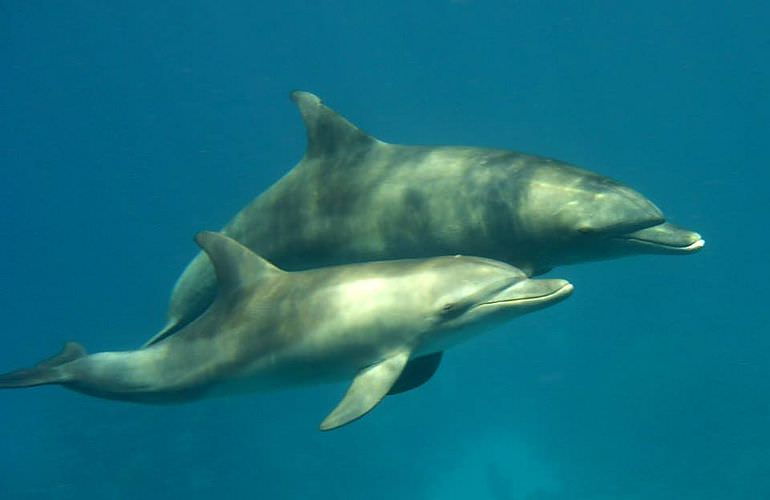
(368, 389)
(416, 372)
(328, 133)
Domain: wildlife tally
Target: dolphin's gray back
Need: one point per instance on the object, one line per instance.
(387, 202)
(353, 198)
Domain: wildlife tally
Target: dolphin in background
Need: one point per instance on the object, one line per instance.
(382, 324)
(354, 198)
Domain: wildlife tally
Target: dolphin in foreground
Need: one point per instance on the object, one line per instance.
(354, 198)
(381, 324)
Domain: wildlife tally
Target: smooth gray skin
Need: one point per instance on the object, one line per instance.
(354, 198)
(269, 329)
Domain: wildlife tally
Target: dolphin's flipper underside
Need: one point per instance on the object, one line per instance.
(416, 372)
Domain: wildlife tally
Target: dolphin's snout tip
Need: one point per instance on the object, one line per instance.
(697, 245)
(566, 290)
(559, 289)
(666, 238)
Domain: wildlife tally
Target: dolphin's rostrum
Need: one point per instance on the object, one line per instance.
(354, 198)
(381, 324)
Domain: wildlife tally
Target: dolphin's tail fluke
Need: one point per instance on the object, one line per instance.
(45, 372)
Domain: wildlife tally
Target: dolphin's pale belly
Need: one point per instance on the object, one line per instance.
(281, 377)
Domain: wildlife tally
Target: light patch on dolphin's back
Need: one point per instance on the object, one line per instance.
(354, 319)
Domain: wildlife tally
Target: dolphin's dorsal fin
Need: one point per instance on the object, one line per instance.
(234, 264)
(368, 389)
(328, 133)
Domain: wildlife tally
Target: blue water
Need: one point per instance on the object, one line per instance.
(126, 128)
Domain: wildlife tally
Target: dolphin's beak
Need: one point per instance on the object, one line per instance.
(666, 238)
(532, 293)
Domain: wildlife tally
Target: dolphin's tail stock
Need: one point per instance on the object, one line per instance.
(45, 372)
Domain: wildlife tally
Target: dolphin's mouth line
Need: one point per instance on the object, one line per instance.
(537, 298)
(696, 245)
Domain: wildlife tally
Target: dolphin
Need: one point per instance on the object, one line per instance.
(354, 198)
(382, 324)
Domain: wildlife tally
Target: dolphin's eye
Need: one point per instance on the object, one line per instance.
(451, 310)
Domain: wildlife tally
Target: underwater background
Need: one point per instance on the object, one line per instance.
(127, 127)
